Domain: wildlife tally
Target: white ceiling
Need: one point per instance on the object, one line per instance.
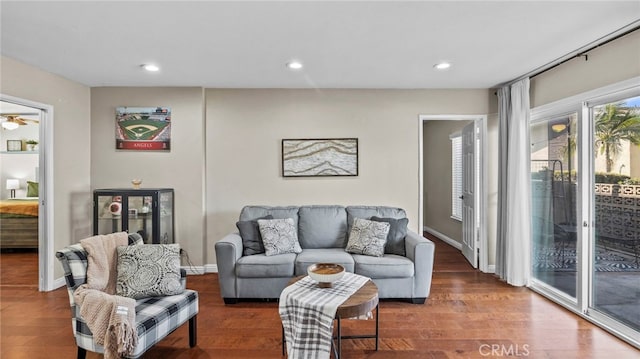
(15, 109)
(358, 44)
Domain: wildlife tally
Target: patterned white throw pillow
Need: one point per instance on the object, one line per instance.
(148, 270)
(368, 237)
(279, 236)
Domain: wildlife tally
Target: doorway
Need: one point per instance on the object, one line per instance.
(585, 175)
(26, 137)
(445, 206)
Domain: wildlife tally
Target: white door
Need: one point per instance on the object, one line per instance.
(469, 223)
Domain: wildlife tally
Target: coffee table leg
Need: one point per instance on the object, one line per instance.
(339, 339)
(377, 325)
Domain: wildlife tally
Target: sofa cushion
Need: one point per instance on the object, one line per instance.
(367, 212)
(368, 237)
(279, 236)
(322, 255)
(254, 212)
(261, 266)
(397, 232)
(387, 266)
(251, 238)
(322, 226)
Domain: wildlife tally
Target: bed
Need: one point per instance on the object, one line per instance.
(19, 223)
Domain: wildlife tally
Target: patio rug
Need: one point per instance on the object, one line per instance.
(556, 259)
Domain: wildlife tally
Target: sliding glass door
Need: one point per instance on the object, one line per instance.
(585, 208)
(585, 188)
(554, 170)
(615, 242)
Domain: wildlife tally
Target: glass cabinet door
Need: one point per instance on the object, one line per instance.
(140, 217)
(109, 214)
(166, 215)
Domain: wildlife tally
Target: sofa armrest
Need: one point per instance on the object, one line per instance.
(421, 251)
(228, 251)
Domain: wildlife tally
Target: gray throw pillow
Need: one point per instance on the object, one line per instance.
(368, 237)
(135, 239)
(397, 232)
(251, 238)
(279, 236)
(148, 270)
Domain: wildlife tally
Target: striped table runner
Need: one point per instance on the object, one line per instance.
(307, 314)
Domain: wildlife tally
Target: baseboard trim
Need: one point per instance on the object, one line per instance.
(199, 270)
(491, 268)
(57, 283)
(450, 241)
(207, 268)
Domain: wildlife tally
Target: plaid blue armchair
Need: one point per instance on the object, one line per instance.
(156, 317)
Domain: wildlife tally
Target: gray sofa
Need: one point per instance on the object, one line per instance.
(323, 235)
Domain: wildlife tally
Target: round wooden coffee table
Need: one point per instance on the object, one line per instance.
(361, 303)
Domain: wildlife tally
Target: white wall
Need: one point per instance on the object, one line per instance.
(245, 129)
(181, 168)
(20, 166)
(437, 177)
(607, 64)
(71, 145)
(492, 142)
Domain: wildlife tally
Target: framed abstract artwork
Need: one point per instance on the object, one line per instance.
(320, 157)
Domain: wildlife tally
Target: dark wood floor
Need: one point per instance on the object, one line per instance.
(467, 315)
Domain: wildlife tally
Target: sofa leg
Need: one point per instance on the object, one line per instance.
(418, 300)
(230, 300)
(82, 353)
(193, 331)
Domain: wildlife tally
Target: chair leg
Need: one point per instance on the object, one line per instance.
(193, 331)
(82, 353)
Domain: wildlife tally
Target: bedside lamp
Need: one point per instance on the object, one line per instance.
(13, 184)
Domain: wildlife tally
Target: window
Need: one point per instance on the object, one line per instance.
(456, 175)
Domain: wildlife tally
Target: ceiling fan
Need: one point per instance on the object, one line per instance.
(11, 121)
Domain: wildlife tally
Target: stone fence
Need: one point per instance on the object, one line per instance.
(618, 214)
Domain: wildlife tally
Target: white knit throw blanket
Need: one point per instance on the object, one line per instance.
(307, 314)
(111, 318)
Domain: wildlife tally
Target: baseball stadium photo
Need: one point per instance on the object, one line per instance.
(143, 128)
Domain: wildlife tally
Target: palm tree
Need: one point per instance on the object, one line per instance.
(614, 124)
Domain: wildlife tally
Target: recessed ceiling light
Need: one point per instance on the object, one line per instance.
(442, 66)
(294, 65)
(150, 67)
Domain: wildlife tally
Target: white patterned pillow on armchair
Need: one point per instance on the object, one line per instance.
(148, 270)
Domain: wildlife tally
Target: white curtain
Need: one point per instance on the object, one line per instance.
(514, 185)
